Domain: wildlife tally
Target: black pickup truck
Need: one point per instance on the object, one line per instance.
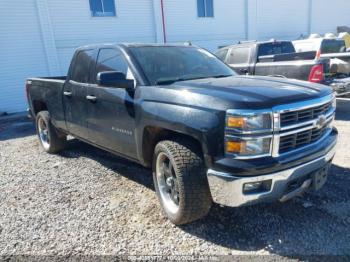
(208, 134)
(275, 58)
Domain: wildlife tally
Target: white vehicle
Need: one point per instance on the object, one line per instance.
(346, 37)
(322, 45)
(334, 49)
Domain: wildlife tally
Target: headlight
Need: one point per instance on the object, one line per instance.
(248, 147)
(249, 122)
(243, 123)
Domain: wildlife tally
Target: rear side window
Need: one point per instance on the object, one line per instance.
(275, 48)
(332, 46)
(239, 55)
(81, 69)
(221, 54)
(111, 60)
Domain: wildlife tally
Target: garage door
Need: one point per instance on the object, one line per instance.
(22, 52)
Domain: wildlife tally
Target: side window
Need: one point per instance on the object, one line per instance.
(112, 60)
(81, 69)
(102, 7)
(221, 54)
(239, 55)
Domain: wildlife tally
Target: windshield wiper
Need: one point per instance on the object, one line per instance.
(169, 81)
(220, 76)
(178, 79)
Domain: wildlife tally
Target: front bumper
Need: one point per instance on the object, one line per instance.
(227, 189)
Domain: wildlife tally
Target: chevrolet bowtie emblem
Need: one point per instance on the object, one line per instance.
(320, 122)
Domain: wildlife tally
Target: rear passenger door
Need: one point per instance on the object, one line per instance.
(111, 119)
(238, 59)
(75, 92)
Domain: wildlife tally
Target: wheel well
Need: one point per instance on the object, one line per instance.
(39, 106)
(152, 135)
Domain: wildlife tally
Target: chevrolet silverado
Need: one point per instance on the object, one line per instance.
(208, 134)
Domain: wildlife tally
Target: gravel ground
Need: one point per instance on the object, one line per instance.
(87, 201)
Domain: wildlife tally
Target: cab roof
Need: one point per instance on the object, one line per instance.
(127, 45)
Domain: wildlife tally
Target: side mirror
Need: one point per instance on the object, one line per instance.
(114, 79)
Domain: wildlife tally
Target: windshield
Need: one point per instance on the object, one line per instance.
(168, 64)
(275, 48)
(333, 46)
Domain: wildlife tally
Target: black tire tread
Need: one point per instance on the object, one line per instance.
(191, 173)
(57, 141)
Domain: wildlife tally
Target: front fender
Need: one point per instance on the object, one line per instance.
(204, 125)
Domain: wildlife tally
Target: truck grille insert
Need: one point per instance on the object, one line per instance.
(300, 139)
(300, 116)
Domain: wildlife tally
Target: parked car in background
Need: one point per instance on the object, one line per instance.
(346, 37)
(333, 48)
(208, 134)
(328, 47)
(279, 58)
(321, 45)
(274, 58)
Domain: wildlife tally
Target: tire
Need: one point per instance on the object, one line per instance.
(190, 200)
(51, 140)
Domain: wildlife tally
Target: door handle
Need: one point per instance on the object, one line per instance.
(67, 93)
(244, 71)
(91, 98)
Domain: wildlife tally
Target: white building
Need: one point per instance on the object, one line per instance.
(38, 37)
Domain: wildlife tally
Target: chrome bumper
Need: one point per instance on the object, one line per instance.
(226, 189)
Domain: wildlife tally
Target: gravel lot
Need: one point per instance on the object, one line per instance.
(87, 201)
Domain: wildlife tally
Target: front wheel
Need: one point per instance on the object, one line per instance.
(180, 180)
(50, 138)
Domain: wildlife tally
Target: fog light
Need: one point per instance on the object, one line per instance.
(252, 186)
(257, 187)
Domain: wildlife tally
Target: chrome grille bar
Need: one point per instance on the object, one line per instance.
(308, 131)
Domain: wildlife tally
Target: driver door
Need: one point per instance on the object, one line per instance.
(111, 121)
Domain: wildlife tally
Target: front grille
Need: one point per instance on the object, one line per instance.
(300, 116)
(300, 139)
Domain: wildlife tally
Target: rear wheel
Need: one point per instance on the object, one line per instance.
(50, 138)
(180, 181)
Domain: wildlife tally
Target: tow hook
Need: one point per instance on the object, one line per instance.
(306, 185)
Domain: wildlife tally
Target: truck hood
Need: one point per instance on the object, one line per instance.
(251, 91)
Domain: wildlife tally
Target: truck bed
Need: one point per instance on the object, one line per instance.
(299, 69)
(288, 57)
(343, 56)
(273, 58)
(48, 89)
